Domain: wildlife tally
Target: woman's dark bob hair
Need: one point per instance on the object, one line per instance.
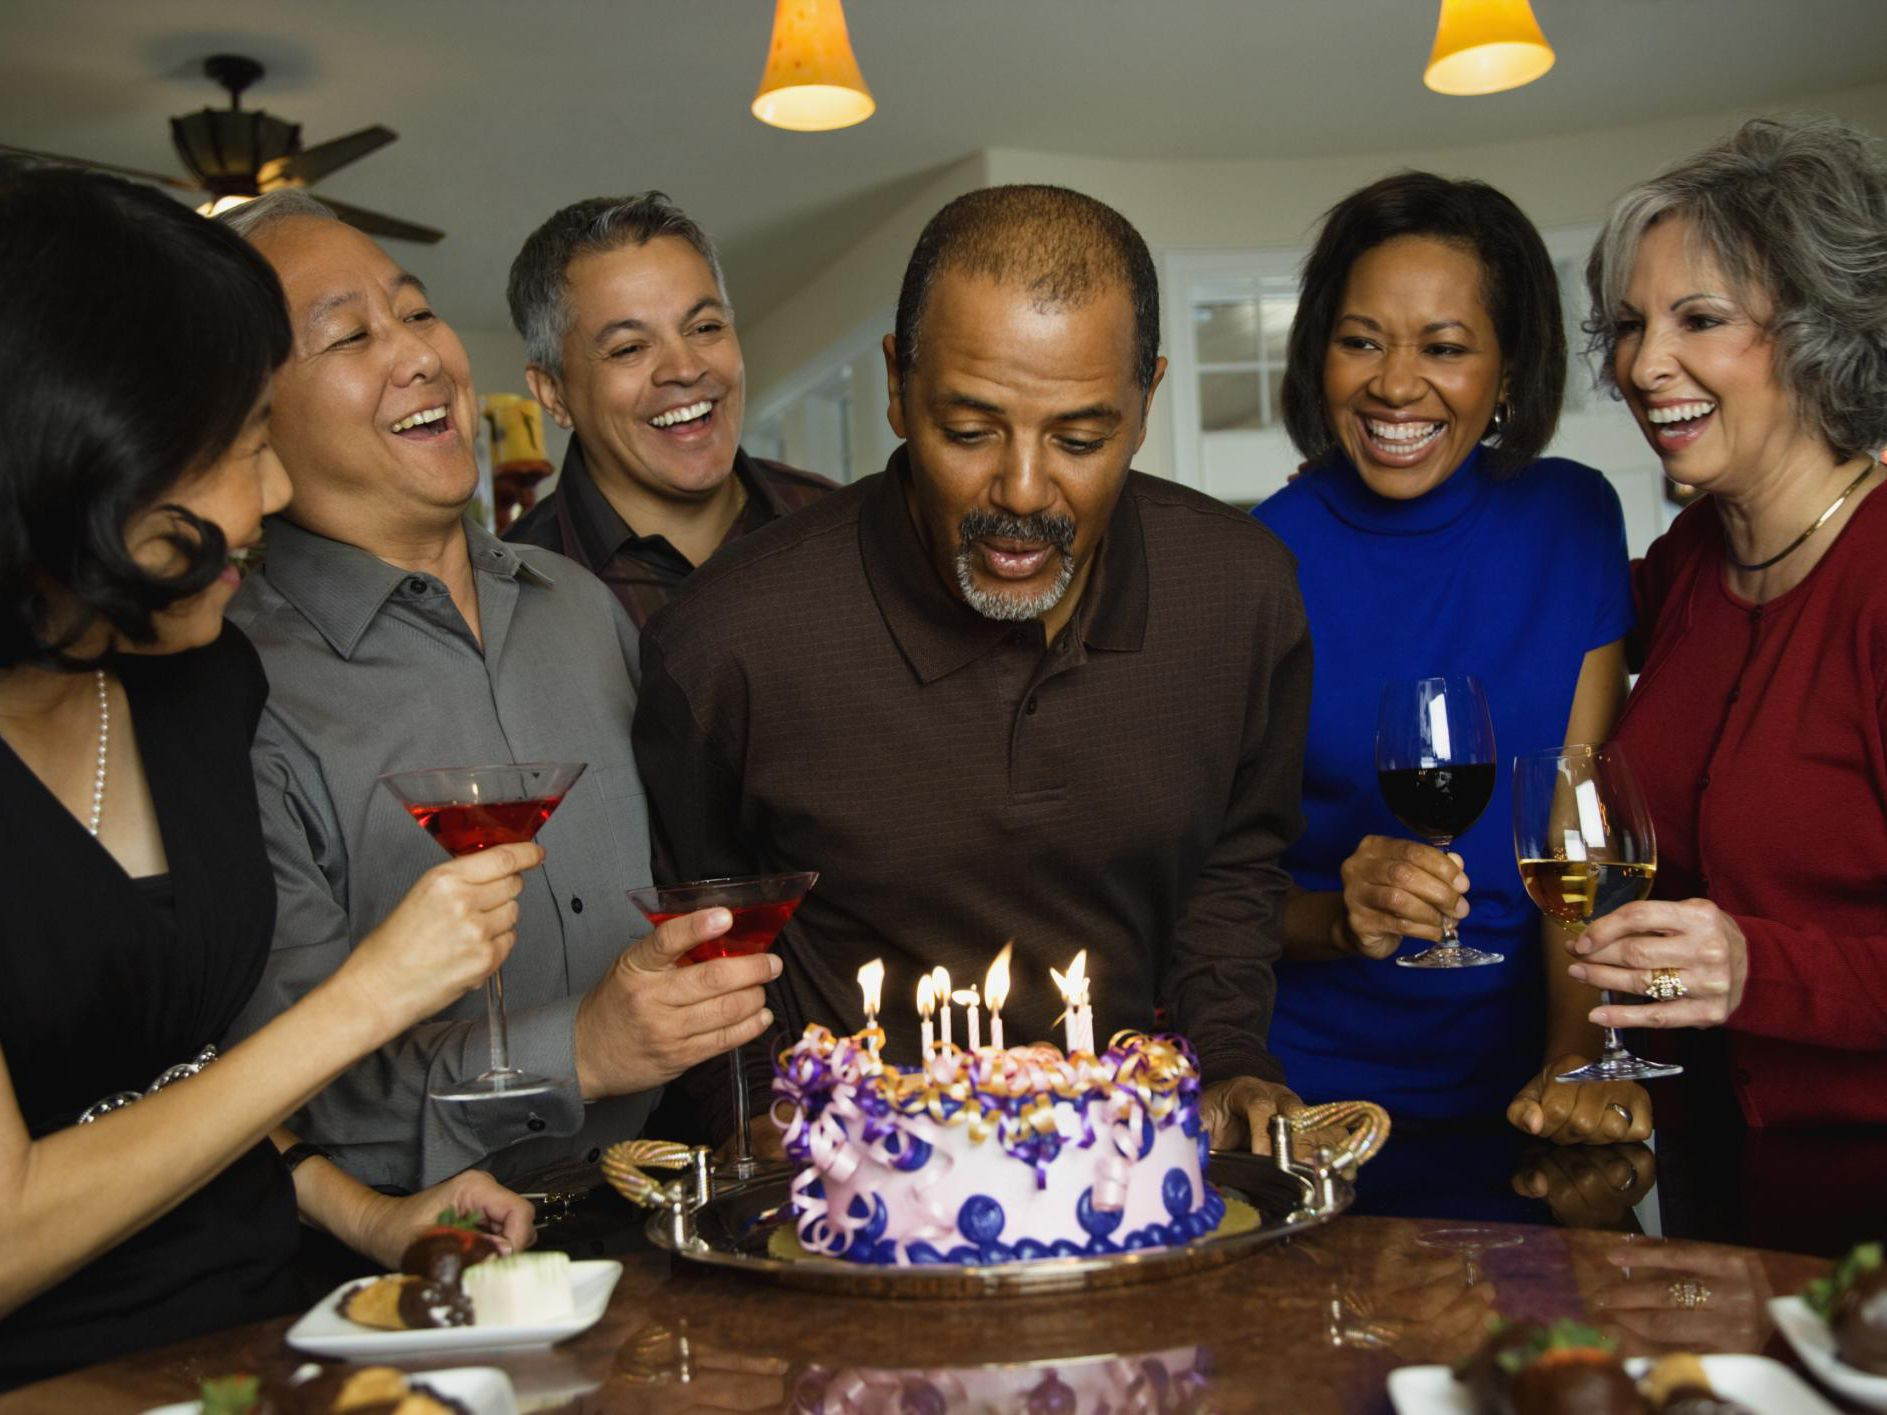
(1521, 295)
(135, 339)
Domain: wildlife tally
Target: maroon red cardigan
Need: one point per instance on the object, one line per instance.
(1757, 733)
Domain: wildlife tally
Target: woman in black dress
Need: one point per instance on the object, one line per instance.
(137, 342)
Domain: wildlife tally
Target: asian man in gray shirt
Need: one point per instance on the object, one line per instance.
(396, 634)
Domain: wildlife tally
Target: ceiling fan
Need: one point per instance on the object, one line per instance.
(235, 153)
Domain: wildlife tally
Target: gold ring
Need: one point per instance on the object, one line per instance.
(1666, 985)
(1688, 1293)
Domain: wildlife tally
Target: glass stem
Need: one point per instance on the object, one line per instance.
(1614, 1048)
(495, 1024)
(1450, 934)
(743, 1144)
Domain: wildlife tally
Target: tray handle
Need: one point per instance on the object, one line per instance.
(1366, 1127)
(679, 1198)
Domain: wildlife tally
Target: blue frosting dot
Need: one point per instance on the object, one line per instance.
(997, 1253)
(980, 1220)
(923, 1253)
(1176, 1192)
(1096, 1222)
(875, 1214)
(1052, 1397)
(1147, 1132)
(1191, 1125)
(920, 1397)
(1028, 1249)
(913, 1154)
(816, 1189)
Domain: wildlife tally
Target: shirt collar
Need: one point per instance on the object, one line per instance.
(339, 588)
(938, 633)
(597, 529)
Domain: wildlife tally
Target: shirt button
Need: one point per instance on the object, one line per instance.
(1030, 709)
(416, 585)
(576, 905)
(1735, 693)
(594, 1156)
(535, 1123)
(1742, 1076)
(1703, 782)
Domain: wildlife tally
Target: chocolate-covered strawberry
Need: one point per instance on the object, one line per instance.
(1853, 1301)
(1565, 1369)
(442, 1253)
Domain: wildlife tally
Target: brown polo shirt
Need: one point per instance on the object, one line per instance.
(957, 781)
(643, 572)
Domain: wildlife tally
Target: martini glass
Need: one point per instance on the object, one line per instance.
(1585, 845)
(761, 905)
(472, 808)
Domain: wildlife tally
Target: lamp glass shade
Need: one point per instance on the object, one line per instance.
(1486, 46)
(812, 82)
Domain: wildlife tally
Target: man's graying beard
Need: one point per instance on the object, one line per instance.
(1058, 531)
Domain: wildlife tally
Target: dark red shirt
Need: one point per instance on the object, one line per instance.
(644, 572)
(1756, 731)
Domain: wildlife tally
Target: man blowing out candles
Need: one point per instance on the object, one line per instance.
(1008, 688)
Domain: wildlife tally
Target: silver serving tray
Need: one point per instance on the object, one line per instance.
(729, 1227)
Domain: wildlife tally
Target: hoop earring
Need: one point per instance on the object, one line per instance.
(1497, 425)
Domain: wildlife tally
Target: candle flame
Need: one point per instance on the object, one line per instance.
(996, 984)
(872, 978)
(1075, 981)
(940, 984)
(926, 997)
(966, 997)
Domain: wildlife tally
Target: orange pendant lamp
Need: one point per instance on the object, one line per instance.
(1486, 46)
(812, 83)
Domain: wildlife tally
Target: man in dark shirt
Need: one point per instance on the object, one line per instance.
(1008, 689)
(631, 345)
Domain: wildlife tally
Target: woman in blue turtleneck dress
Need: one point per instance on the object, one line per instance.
(1427, 361)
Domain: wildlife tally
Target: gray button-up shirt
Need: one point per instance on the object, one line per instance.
(372, 669)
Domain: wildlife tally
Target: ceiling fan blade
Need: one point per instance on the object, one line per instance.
(374, 224)
(311, 164)
(162, 180)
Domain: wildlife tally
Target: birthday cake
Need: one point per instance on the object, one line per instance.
(989, 1156)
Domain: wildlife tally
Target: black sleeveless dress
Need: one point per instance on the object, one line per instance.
(105, 982)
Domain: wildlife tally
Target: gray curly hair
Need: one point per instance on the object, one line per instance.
(1796, 209)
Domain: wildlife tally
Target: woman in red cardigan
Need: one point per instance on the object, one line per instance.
(1742, 298)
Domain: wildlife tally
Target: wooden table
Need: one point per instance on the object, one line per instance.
(1314, 1325)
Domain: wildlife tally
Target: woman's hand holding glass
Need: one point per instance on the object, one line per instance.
(451, 932)
(1395, 889)
(1692, 938)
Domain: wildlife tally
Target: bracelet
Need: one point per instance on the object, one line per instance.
(295, 1154)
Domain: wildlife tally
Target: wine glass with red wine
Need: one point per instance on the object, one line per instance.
(472, 808)
(1435, 767)
(1585, 844)
(761, 905)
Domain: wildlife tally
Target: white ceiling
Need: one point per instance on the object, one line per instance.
(507, 110)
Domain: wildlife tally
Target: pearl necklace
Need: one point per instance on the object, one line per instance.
(104, 751)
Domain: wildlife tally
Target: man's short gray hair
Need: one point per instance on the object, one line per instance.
(1793, 211)
(251, 218)
(539, 288)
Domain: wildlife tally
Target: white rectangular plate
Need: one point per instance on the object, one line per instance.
(1766, 1387)
(483, 1390)
(325, 1332)
(1815, 1344)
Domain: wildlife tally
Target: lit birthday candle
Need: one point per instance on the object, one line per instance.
(996, 993)
(968, 998)
(871, 978)
(1072, 986)
(940, 988)
(927, 1004)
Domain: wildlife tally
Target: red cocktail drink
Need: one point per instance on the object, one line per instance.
(467, 829)
(761, 905)
(755, 928)
(472, 808)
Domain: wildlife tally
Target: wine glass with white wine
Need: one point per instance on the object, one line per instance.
(1585, 844)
